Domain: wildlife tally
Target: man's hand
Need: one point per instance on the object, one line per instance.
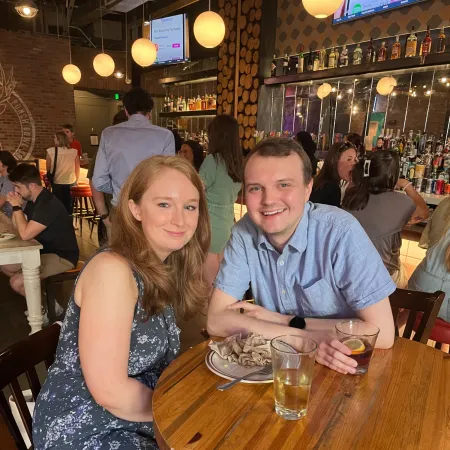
(14, 199)
(335, 355)
(260, 313)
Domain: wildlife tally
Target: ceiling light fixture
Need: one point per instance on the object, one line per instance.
(386, 85)
(71, 73)
(26, 8)
(321, 8)
(103, 63)
(209, 29)
(324, 90)
(143, 50)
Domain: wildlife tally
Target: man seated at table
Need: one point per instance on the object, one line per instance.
(44, 219)
(309, 265)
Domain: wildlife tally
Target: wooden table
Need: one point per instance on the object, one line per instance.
(402, 403)
(17, 251)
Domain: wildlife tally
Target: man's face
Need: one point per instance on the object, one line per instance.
(276, 195)
(70, 134)
(23, 191)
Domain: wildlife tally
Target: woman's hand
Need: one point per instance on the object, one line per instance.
(260, 313)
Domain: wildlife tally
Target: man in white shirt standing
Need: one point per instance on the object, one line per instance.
(124, 146)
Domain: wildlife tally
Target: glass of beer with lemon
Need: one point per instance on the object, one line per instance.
(360, 338)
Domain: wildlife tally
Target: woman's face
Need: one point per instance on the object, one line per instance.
(168, 211)
(55, 140)
(3, 169)
(346, 163)
(187, 153)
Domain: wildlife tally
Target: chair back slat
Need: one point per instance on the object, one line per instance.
(33, 381)
(415, 301)
(6, 414)
(395, 312)
(22, 407)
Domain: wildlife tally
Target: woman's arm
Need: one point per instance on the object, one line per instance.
(77, 167)
(48, 162)
(421, 212)
(107, 295)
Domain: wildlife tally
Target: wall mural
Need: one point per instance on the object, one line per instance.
(18, 116)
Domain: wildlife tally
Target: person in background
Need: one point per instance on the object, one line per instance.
(309, 265)
(7, 164)
(178, 140)
(221, 173)
(433, 273)
(102, 201)
(306, 141)
(68, 130)
(337, 168)
(356, 140)
(124, 146)
(120, 331)
(382, 212)
(44, 219)
(67, 169)
(193, 152)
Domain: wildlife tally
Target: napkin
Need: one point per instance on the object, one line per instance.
(249, 351)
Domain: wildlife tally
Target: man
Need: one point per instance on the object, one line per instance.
(309, 265)
(44, 219)
(124, 146)
(68, 131)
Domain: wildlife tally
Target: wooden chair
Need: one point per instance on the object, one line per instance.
(416, 302)
(21, 358)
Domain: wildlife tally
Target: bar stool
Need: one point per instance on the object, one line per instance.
(82, 194)
(50, 283)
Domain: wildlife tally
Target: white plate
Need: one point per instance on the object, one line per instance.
(6, 236)
(231, 371)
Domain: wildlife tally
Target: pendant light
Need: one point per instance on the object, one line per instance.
(103, 63)
(321, 8)
(127, 80)
(143, 50)
(209, 28)
(386, 85)
(71, 73)
(26, 8)
(324, 90)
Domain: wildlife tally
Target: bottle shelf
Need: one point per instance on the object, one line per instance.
(200, 113)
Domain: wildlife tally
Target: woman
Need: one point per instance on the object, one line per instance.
(193, 152)
(382, 212)
(337, 167)
(67, 170)
(306, 141)
(221, 173)
(7, 165)
(120, 332)
(433, 273)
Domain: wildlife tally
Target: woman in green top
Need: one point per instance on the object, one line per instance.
(221, 173)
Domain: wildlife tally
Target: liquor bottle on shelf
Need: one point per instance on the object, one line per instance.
(316, 62)
(198, 103)
(370, 51)
(332, 59)
(285, 64)
(301, 62)
(357, 55)
(396, 52)
(322, 59)
(343, 59)
(425, 47)
(382, 51)
(171, 104)
(273, 70)
(337, 55)
(441, 41)
(292, 66)
(411, 45)
(310, 62)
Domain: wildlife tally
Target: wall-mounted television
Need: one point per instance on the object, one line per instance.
(171, 36)
(355, 9)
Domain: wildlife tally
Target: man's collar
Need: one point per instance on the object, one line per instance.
(298, 240)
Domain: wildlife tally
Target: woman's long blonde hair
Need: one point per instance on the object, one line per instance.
(63, 140)
(179, 280)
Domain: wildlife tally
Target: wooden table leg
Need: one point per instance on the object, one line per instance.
(31, 262)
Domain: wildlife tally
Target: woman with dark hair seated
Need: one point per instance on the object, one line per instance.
(306, 141)
(337, 167)
(382, 212)
(193, 152)
(7, 165)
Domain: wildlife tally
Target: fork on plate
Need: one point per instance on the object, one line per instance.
(266, 370)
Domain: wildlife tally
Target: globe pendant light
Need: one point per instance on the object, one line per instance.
(26, 8)
(143, 50)
(386, 85)
(209, 28)
(324, 90)
(103, 63)
(321, 8)
(127, 80)
(71, 73)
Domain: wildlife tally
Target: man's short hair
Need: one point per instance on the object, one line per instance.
(25, 174)
(280, 148)
(137, 100)
(67, 126)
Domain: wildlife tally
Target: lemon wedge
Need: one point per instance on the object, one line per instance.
(355, 345)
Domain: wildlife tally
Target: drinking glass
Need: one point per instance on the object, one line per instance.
(293, 364)
(360, 338)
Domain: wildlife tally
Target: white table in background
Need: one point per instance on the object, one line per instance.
(17, 251)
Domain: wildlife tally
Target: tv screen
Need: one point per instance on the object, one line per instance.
(354, 9)
(171, 36)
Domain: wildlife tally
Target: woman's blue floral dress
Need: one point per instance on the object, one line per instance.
(66, 415)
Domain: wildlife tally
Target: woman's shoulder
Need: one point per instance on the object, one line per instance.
(51, 150)
(109, 265)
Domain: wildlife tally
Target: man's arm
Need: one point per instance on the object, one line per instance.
(102, 178)
(27, 230)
